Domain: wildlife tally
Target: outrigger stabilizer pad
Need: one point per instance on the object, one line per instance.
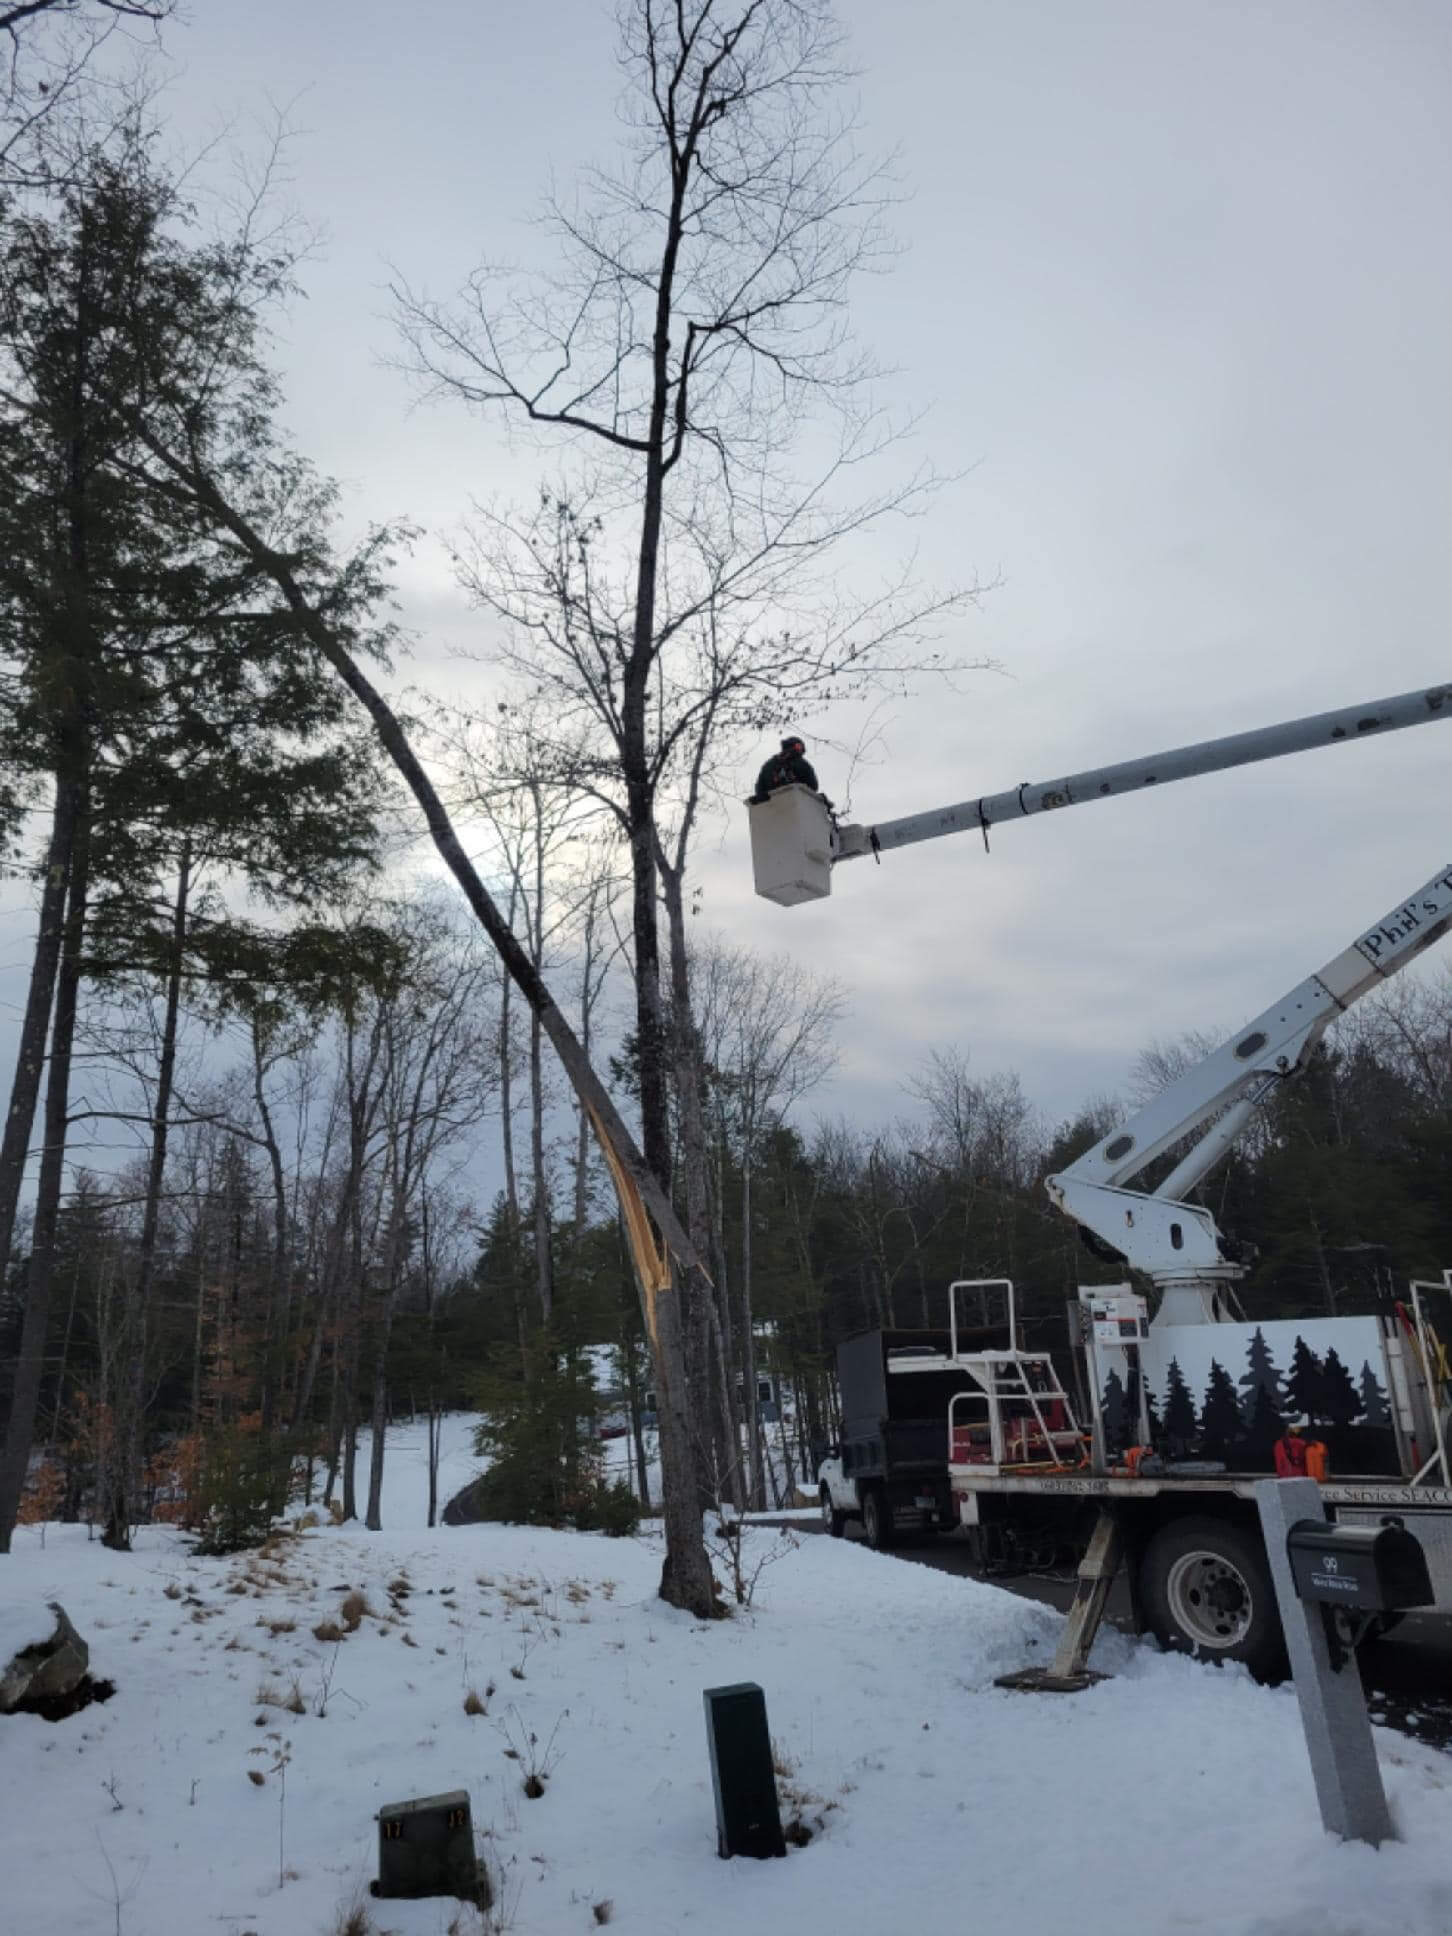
(1043, 1680)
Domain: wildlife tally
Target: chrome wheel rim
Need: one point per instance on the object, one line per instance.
(1210, 1601)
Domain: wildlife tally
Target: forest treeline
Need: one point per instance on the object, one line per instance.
(259, 1053)
(320, 1261)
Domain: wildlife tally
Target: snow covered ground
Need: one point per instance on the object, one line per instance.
(405, 1500)
(1170, 1798)
(406, 1471)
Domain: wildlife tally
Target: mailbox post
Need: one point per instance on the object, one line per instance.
(1318, 1566)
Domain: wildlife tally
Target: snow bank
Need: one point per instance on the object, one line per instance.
(1169, 1798)
(25, 1618)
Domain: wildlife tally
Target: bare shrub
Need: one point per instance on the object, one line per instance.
(353, 1921)
(354, 1610)
(537, 1763)
(745, 1573)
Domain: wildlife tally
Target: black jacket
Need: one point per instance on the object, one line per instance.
(783, 769)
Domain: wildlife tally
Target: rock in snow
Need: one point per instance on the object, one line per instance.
(42, 1669)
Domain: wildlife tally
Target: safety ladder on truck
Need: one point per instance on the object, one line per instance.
(1017, 1413)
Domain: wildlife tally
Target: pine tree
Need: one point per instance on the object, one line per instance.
(1305, 1385)
(1265, 1425)
(1179, 1412)
(1220, 1421)
(1373, 1400)
(1340, 1402)
(151, 680)
(1261, 1375)
(1115, 1414)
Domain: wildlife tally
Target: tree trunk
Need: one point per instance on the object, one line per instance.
(543, 1260)
(721, 1458)
(395, 1255)
(686, 1578)
(506, 1081)
(279, 1301)
(121, 1508)
(748, 1329)
(30, 1057)
(30, 1361)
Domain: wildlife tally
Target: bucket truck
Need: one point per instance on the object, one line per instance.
(1148, 1472)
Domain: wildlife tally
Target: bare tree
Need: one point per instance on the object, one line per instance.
(677, 591)
(438, 1081)
(50, 50)
(768, 1026)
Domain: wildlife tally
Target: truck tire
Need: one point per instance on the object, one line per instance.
(1207, 1591)
(835, 1522)
(877, 1520)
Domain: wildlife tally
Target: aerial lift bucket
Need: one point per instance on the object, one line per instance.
(791, 846)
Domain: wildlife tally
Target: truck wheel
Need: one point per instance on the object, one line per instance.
(1207, 1591)
(834, 1521)
(877, 1521)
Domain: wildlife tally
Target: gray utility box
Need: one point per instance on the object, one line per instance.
(426, 1848)
(1370, 1569)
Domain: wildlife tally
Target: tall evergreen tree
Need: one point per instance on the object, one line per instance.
(1340, 1401)
(1117, 1419)
(1305, 1384)
(1373, 1400)
(1220, 1421)
(1260, 1376)
(1179, 1412)
(1263, 1427)
(156, 685)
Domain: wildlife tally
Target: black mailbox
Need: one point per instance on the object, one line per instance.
(1369, 1569)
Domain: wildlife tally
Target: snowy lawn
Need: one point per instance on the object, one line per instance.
(1171, 1798)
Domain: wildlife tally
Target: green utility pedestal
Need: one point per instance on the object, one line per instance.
(748, 1817)
(426, 1848)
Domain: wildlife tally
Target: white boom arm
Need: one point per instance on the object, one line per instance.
(794, 843)
(1176, 1243)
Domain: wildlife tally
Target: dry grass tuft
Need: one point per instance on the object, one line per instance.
(602, 1911)
(172, 1590)
(295, 1704)
(354, 1610)
(475, 1703)
(354, 1921)
(327, 1630)
(256, 1777)
(276, 1627)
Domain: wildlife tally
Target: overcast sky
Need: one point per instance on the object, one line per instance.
(1174, 300)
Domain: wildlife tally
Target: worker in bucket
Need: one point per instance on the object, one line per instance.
(789, 767)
